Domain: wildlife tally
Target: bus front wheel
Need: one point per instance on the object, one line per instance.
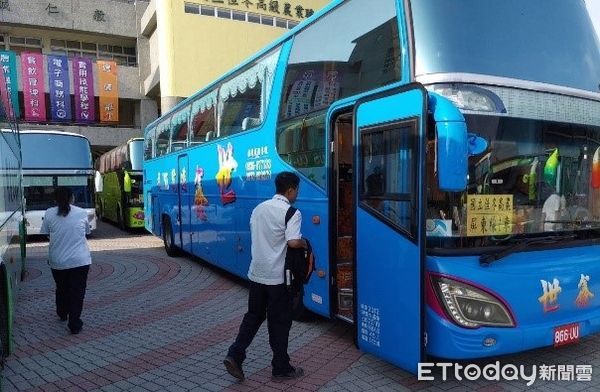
(167, 234)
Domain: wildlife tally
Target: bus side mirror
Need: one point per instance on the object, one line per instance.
(127, 183)
(452, 144)
(98, 182)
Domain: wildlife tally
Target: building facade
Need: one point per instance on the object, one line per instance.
(190, 43)
(76, 29)
(159, 52)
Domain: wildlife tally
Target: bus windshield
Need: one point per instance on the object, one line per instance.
(136, 154)
(39, 190)
(537, 178)
(55, 151)
(506, 38)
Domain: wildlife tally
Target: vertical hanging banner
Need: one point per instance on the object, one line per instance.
(34, 97)
(83, 87)
(109, 91)
(60, 88)
(6, 111)
(8, 62)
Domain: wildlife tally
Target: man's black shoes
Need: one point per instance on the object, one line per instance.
(295, 372)
(233, 368)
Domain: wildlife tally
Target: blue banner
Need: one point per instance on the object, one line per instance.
(58, 81)
(8, 63)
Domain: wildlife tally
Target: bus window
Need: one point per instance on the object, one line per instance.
(203, 118)
(328, 63)
(243, 98)
(148, 144)
(388, 173)
(301, 143)
(179, 129)
(161, 136)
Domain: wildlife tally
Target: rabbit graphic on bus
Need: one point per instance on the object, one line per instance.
(227, 165)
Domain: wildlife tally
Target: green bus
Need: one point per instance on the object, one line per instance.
(119, 185)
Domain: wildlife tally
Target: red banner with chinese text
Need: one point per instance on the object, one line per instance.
(108, 91)
(34, 97)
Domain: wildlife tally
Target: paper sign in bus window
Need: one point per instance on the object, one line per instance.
(489, 215)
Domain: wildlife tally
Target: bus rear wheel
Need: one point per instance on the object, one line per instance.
(120, 221)
(167, 234)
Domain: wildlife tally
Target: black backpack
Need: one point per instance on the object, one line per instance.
(299, 262)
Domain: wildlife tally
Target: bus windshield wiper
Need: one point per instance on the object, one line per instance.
(488, 258)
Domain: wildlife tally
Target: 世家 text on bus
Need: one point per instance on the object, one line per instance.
(119, 185)
(52, 159)
(449, 155)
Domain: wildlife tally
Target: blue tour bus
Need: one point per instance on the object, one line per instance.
(12, 226)
(450, 170)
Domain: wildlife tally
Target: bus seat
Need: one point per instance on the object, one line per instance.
(250, 122)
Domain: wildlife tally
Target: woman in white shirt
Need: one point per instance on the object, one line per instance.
(69, 255)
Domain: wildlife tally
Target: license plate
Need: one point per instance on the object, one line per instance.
(566, 334)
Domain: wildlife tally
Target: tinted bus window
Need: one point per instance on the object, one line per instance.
(388, 173)
(148, 143)
(203, 116)
(162, 137)
(242, 99)
(330, 61)
(179, 129)
(136, 151)
(34, 144)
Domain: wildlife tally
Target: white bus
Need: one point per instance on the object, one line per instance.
(52, 159)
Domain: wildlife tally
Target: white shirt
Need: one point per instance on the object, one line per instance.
(553, 208)
(68, 246)
(269, 239)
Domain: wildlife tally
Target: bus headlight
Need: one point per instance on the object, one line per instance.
(469, 306)
(470, 97)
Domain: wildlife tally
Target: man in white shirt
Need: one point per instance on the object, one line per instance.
(268, 297)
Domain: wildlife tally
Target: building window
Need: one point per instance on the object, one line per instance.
(25, 44)
(224, 13)
(192, 8)
(121, 54)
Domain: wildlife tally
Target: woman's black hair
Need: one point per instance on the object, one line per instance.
(63, 200)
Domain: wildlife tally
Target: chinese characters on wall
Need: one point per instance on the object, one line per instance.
(283, 8)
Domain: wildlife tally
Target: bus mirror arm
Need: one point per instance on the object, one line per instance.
(452, 144)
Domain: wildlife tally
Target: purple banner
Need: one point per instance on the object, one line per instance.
(83, 87)
(60, 92)
(34, 97)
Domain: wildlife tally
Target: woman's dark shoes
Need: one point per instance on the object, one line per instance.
(63, 318)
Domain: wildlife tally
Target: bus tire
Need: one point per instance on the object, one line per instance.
(101, 213)
(168, 240)
(120, 221)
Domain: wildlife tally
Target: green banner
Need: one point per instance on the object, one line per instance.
(8, 62)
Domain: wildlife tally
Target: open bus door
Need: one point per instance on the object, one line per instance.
(389, 230)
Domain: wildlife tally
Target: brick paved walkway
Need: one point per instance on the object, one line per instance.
(154, 323)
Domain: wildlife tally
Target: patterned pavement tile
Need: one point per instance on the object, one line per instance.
(154, 323)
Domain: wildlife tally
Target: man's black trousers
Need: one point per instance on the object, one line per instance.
(275, 304)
